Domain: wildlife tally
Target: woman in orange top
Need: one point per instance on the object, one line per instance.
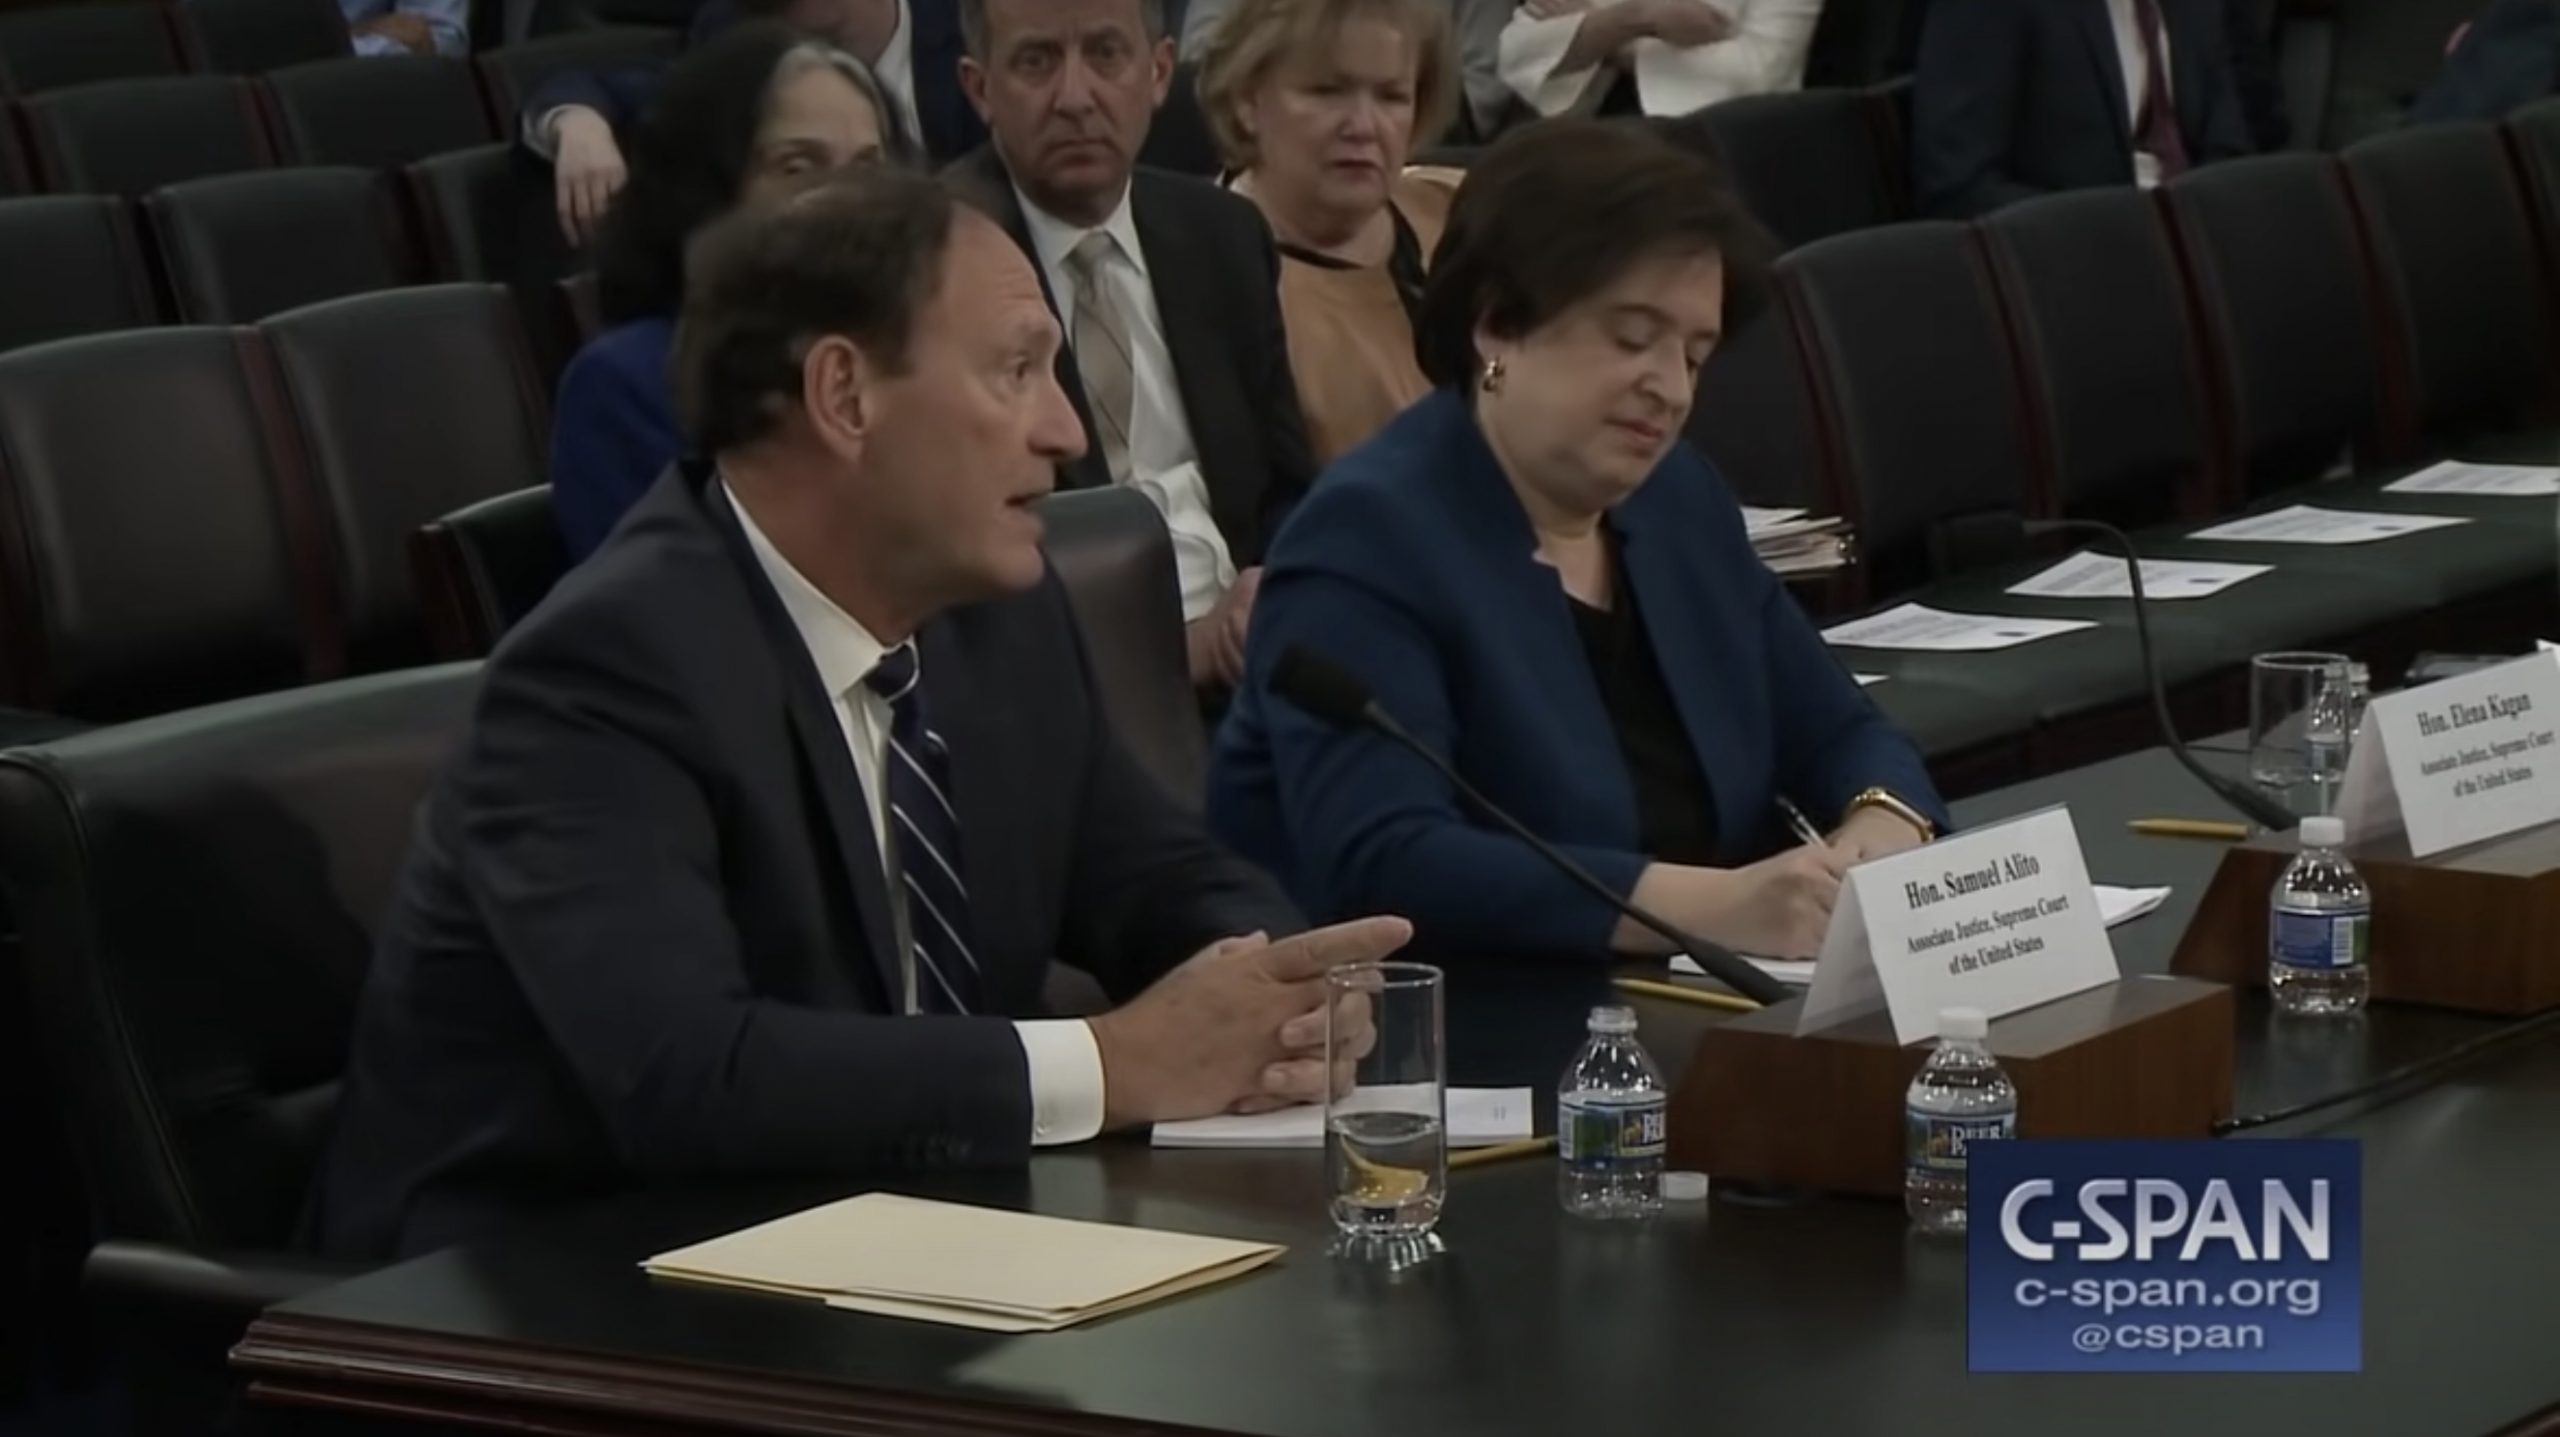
(1316, 106)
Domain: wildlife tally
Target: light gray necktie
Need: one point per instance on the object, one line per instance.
(1101, 342)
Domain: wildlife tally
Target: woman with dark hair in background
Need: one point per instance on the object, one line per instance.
(1534, 575)
(756, 115)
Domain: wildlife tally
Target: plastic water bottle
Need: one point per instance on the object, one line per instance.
(2319, 927)
(1959, 1098)
(1609, 1124)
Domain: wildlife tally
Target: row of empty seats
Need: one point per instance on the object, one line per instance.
(59, 45)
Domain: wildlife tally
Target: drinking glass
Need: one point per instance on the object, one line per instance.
(1386, 1148)
(2300, 707)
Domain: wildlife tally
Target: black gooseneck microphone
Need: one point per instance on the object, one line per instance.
(1332, 693)
(2257, 807)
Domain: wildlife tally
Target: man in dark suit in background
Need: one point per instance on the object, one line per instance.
(1168, 288)
(2018, 98)
(772, 819)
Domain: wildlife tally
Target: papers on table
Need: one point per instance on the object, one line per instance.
(1792, 541)
(2503, 481)
(2104, 576)
(2303, 524)
(966, 1266)
(2115, 905)
(1477, 1117)
(1917, 626)
(1869, 680)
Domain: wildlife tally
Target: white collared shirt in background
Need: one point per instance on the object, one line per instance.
(1164, 463)
(1065, 1065)
(1766, 52)
(2137, 73)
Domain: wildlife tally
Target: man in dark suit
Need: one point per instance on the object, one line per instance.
(2018, 98)
(912, 46)
(772, 819)
(1168, 288)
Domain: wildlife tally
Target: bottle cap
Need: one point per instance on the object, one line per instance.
(1684, 1187)
(2325, 830)
(1967, 1024)
(1613, 1020)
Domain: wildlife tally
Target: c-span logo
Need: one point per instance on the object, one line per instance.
(2229, 1256)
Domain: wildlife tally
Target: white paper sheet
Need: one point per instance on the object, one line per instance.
(2504, 481)
(1870, 680)
(2115, 906)
(1477, 1117)
(1917, 626)
(2303, 524)
(2104, 576)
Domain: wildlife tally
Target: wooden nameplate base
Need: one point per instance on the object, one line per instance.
(2135, 1058)
(2477, 928)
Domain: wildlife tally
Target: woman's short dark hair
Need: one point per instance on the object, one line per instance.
(1556, 212)
(858, 257)
(689, 158)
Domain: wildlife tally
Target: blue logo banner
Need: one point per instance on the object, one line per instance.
(2206, 1256)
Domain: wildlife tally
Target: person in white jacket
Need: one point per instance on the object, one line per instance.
(1656, 57)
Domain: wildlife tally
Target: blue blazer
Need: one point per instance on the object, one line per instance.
(1412, 565)
(613, 430)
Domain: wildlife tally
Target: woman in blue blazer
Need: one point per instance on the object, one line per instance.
(752, 116)
(1532, 573)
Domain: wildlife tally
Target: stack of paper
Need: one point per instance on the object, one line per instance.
(1476, 1117)
(2104, 576)
(966, 1266)
(2115, 905)
(1792, 541)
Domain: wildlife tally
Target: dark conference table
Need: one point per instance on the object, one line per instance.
(1820, 1316)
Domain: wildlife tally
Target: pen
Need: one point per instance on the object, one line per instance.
(1699, 997)
(1796, 820)
(2190, 828)
(1499, 1153)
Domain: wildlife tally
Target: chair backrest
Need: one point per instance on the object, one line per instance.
(1859, 42)
(482, 568)
(241, 247)
(1808, 164)
(1178, 139)
(69, 265)
(1757, 420)
(2285, 301)
(197, 896)
(379, 111)
(1919, 384)
(17, 172)
(2453, 240)
(154, 563)
(411, 404)
(511, 75)
(488, 216)
(61, 45)
(130, 137)
(251, 37)
(1115, 558)
(2114, 366)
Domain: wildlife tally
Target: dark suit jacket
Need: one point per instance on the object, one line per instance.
(2017, 98)
(951, 128)
(643, 934)
(2509, 57)
(1412, 565)
(1217, 282)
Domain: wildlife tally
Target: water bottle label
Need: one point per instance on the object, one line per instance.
(1595, 1136)
(2308, 938)
(1937, 1143)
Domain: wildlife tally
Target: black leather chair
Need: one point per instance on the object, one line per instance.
(412, 403)
(17, 173)
(1112, 551)
(2287, 308)
(130, 137)
(196, 896)
(1756, 417)
(251, 37)
(69, 266)
(2453, 237)
(482, 568)
(150, 565)
(241, 247)
(1178, 138)
(61, 45)
(378, 111)
(489, 216)
(516, 71)
(1808, 164)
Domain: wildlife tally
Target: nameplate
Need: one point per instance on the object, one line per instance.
(2456, 762)
(1999, 919)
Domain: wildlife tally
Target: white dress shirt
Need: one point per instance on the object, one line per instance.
(1066, 1066)
(1765, 52)
(1164, 463)
(2137, 73)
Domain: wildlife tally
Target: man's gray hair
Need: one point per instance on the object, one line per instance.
(973, 24)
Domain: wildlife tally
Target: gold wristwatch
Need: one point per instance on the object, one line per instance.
(1890, 802)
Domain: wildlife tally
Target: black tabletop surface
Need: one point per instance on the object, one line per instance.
(1825, 1316)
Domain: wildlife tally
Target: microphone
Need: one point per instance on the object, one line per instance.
(1330, 692)
(2257, 807)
